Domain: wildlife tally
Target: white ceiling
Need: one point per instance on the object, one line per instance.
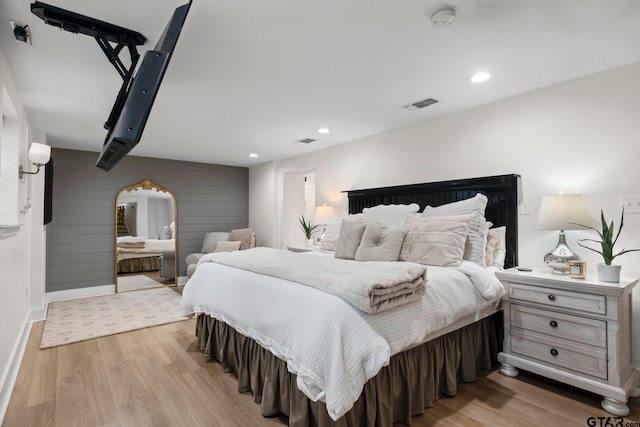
(254, 75)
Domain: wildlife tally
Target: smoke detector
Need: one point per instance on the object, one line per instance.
(443, 18)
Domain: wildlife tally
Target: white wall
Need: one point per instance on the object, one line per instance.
(581, 136)
(21, 265)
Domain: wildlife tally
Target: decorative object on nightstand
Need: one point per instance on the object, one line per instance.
(563, 212)
(606, 271)
(578, 269)
(577, 332)
(308, 230)
(323, 214)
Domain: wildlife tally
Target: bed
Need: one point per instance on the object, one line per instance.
(138, 254)
(395, 363)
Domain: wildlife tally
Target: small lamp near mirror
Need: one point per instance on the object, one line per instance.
(562, 212)
(322, 216)
(39, 155)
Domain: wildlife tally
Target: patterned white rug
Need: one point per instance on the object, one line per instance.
(86, 318)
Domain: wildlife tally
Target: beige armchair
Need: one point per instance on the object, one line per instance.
(212, 243)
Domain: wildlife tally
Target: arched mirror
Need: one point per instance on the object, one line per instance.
(145, 227)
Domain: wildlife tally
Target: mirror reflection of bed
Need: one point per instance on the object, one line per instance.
(145, 218)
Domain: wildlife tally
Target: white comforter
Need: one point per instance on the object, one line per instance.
(331, 346)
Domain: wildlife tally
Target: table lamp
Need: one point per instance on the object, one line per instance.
(322, 216)
(562, 213)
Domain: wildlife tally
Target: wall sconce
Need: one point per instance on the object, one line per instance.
(39, 154)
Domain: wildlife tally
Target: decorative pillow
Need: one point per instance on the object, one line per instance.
(390, 215)
(380, 243)
(492, 244)
(244, 235)
(498, 237)
(475, 246)
(328, 242)
(211, 240)
(437, 240)
(228, 246)
(349, 239)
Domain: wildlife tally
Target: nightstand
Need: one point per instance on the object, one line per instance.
(300, 248)
(576, 331)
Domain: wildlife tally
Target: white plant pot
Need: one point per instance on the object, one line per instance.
(608, 273)
(308, 243)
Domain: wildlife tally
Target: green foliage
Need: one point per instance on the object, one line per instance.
(307, 228)
(607, 241)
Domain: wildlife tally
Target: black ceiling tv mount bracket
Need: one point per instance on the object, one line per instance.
(133, 104)
(104, 33)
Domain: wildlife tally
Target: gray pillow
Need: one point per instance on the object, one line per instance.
(349, 239)
(211, 240)
(380, 243)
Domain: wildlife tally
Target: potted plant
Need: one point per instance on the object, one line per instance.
(606, 271)
(308, 230)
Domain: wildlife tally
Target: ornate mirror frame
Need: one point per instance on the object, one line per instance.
(150, 255)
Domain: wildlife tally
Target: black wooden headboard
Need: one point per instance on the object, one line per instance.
(501, 190)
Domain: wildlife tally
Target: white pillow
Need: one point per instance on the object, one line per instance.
(437, 240)
(328, 242)
(500, 252)
(476, 243)
(228, 246)
(390, 215)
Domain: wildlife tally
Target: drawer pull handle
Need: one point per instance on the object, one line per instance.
(553, 324)
(554, 352)
(552, 297)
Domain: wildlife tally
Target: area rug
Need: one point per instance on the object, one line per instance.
(139, 281)
(87, 318)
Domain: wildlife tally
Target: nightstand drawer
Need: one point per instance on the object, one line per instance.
(560, 325)
(577, 357)
(587, 303)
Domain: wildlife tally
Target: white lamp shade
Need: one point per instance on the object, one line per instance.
(323, 214)
(559, 212)
(39, 154)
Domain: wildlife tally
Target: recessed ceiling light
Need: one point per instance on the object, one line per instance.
(253, 155)
(323, 130)
(479, 77)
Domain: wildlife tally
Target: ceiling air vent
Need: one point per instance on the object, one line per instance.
(305, 141)
(420, 104)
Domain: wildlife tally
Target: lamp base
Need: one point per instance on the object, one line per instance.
(558, 259)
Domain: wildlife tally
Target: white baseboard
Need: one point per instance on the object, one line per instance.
(38, 314)
(8, 380)
(80, 293)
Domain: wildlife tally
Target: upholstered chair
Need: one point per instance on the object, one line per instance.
(218, 241)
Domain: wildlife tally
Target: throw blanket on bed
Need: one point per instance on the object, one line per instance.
(370, 286)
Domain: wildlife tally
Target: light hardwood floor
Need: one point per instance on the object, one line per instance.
(158, 377)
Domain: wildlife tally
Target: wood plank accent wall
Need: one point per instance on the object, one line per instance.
(81, 235)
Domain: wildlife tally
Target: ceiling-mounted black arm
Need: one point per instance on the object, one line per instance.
(113, 53)
(103, 32)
